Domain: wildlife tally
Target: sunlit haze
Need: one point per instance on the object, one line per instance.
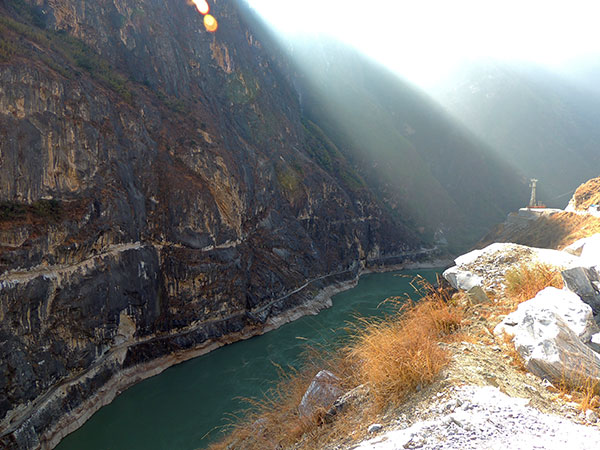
(423, 40)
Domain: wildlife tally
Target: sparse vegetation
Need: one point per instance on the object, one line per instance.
(173, 103)
(326, 154)
(241, 88)
(525, 281)
(289, 180)
(555, 231)
(587, 194)
(584, 390)
(393, 356)
(397, 355)
(69, 50)
(49, 210)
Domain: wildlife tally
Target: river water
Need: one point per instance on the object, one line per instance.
(183, 407)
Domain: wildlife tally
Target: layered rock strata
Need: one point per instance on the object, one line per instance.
(157, 199)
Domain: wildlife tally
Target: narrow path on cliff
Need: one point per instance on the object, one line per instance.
(176, 409)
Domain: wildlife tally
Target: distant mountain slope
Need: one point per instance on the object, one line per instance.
(546, 126)
(551, 229)
(420, 160)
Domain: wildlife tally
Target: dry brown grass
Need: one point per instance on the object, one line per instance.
(583, 390)
(392, 356)
(555, 231)
(396, 356)
(525, 281)
(273, 421)
(587, 194)
(509, 348)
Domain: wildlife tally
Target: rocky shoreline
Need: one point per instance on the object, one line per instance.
(119, 380)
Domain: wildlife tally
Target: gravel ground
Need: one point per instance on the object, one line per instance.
(476, 417)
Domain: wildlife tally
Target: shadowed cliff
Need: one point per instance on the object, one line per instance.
(162, 191)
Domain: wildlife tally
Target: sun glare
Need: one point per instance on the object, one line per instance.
(210, 23)
(423, 40)
(201, 6)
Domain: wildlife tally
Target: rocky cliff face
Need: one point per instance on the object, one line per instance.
(158, 194)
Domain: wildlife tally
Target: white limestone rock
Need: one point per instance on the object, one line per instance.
(590, 253)
(549, 333)
(567, 305)
(461, 279)
(373, 428)
(487, 267)
(321, 394)
(594, 343)
(576, 247)
(588, 249)
(585, 282)
(553, 351)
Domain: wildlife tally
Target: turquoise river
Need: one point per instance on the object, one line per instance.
(183, 407)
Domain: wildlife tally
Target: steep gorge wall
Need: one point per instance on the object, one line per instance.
(157, 197)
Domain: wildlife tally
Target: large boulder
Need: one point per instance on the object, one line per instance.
(590, 254)
(323, 391)
(549, 333)
(585, 282)
(551, 350)
(461, 279)
(567, 305)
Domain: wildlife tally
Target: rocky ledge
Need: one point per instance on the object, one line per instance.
(556, 331)
(508, 382)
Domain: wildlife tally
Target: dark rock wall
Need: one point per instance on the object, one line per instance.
(157, 193)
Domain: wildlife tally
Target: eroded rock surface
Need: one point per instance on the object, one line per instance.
(323, 391)
(159, 196)
(487, 267)
(549, 332)
(483, 417)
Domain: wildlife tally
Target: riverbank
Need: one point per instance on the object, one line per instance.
(134, 375)
(487, 396)
(486, 371)
(484, 399)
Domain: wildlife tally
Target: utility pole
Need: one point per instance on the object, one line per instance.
(532, 200)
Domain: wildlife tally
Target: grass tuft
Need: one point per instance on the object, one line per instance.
(396, 357)
(582, 389)
(525, 281)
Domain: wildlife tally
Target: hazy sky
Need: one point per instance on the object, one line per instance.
(424, 39)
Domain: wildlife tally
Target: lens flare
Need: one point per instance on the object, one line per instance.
(201, 6)
(210, 23)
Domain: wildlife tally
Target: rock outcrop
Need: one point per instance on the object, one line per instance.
(550, 332)
(585, 282)
(323, 391)
(486, 267)
(484, 417)
(158, 198)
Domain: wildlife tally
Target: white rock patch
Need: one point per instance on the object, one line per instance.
(567, 305)
(487, 419)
